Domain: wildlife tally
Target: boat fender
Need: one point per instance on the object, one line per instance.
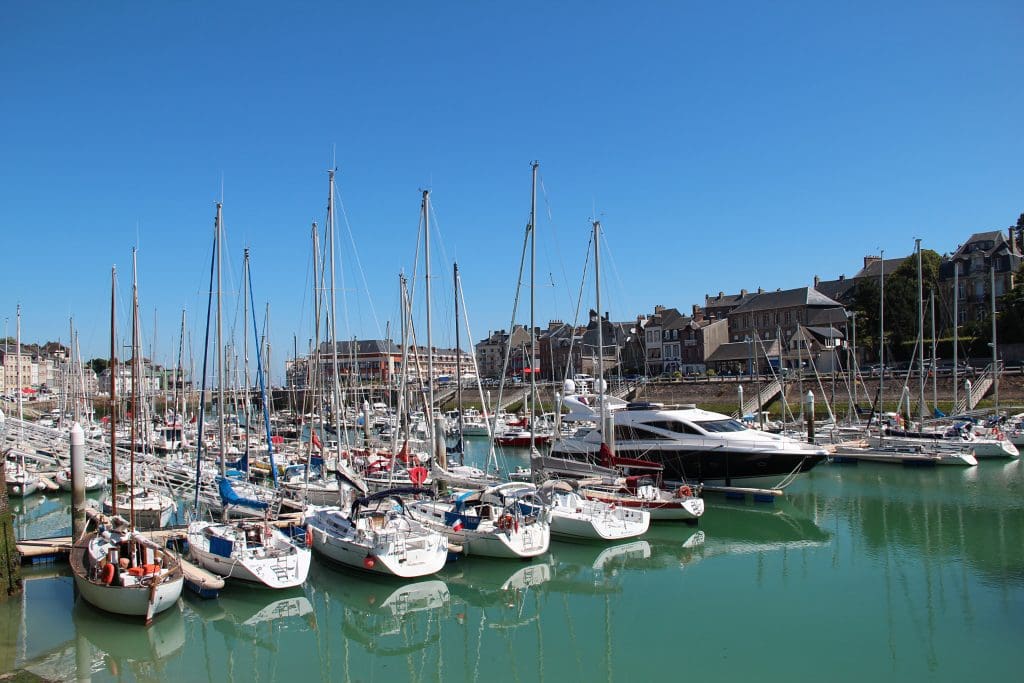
(108, 573)
(309, 535)
(684, 491)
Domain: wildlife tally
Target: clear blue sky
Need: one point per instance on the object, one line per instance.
(723, 145)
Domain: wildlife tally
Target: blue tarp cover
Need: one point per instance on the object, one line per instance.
(228, 496)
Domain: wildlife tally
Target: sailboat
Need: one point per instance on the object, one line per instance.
(252, 551)
(20, 480)
(509, 520)
(117, 569)
(460, 474)
(151, 509)
(377, 534)
(576, 517)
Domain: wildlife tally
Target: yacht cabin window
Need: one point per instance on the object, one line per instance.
(728, 425)
(673, 426)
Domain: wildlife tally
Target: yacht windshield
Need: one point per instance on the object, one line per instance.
(720, 426)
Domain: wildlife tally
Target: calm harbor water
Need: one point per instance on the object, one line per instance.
(868, 572)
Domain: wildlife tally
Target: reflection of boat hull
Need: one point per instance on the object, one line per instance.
(123, 640)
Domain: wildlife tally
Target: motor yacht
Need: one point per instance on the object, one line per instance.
(692, 445)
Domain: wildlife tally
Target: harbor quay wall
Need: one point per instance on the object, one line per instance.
(722, 393)
(10, 562)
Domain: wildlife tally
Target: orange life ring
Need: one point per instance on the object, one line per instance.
(684, 491)
(309, 535)
(505, 522)
(108, 573)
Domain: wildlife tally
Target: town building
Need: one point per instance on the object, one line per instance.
(971, 268)
(490, 352)
(373, 361)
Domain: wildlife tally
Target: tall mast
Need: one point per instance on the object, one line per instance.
(607, 431)
(920, 330)
(335, 388)
(995, 356)
(136, 365)
(430, 340)
(17, 367)
(113, 390)
(314, 369)
(533, 287)
(218, 235)
(179, 383)
(246, 282)
(935, 371)
(881, 343)
(956, 327)
(458, 360)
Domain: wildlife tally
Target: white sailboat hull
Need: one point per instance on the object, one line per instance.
(132, 602)
(391, 555)
(276, 564)
(595, 527)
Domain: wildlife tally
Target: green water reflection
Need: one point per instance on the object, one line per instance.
(861, 571)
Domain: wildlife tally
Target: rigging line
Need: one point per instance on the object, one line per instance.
(615, 269)
(515, 308)
(415, 262)
(579, 304)
(445, 262)
(557, 243)
(479, 383)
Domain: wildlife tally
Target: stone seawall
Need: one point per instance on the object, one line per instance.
(722, 392)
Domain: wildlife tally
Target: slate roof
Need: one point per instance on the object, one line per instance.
(733, 351)
(363, 347)
(874, 269)
(787, 298)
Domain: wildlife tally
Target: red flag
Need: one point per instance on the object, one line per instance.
(457, 526)
(316, 442)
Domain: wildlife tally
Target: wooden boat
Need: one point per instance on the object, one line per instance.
(126, 573)
(641, 492)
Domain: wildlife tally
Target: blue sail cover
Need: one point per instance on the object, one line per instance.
(228, 496)
(242, 464)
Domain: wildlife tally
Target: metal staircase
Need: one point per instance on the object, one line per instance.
(979, 387)
(761, 398)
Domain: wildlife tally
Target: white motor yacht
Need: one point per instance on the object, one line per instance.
(692, 445)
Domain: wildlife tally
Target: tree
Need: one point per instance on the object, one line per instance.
(901, 295)
(98, 365)
(1010, 322)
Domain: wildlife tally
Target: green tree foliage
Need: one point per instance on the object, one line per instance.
(901, 295)
(98, 365)
(1010, 322)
